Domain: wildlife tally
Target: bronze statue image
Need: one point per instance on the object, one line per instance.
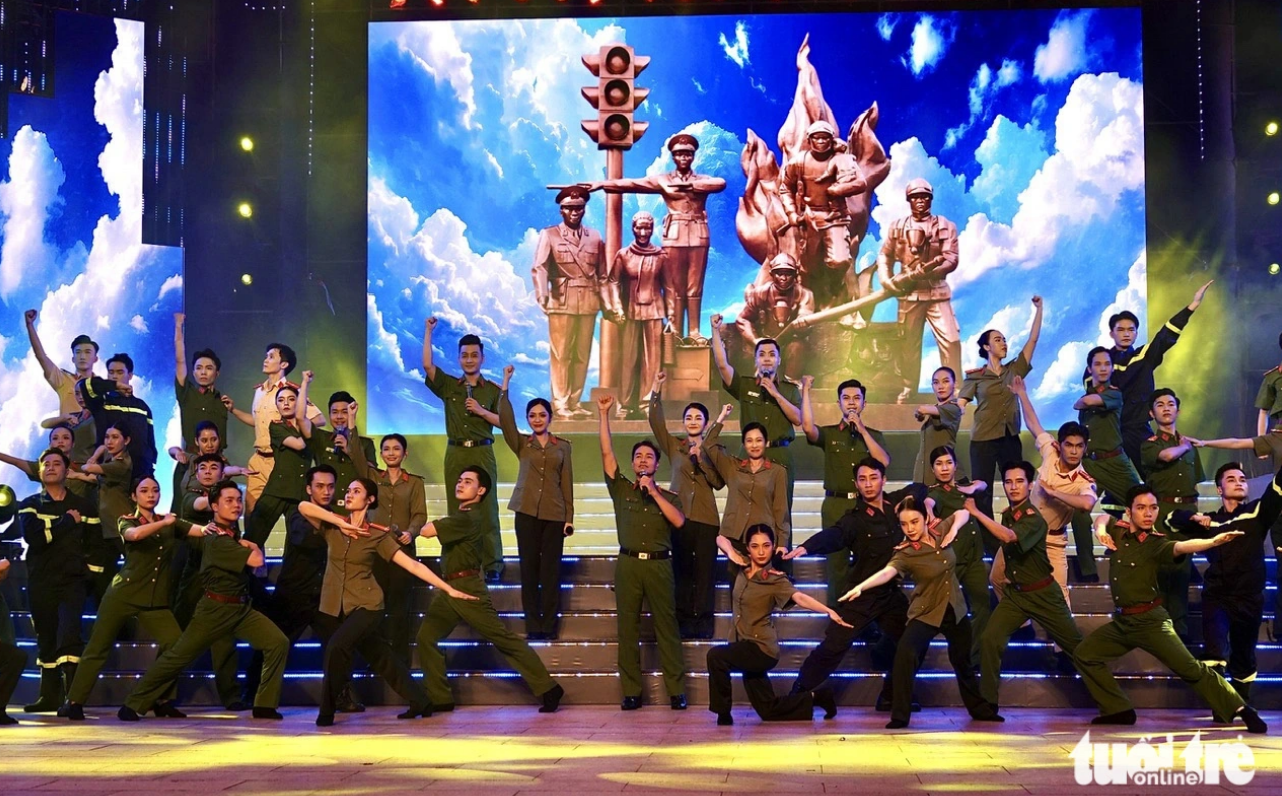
(569, 280)
(641, 298)
(770, 308)
(685, 227)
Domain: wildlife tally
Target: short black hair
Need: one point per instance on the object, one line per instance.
(1162, 392)
(123, 359)
(870, 463)
(942, 450)
(83, 339)
(394, 438)
(754, 426)
(863, 393)
(471, 339)
(543, 402)
(482, 477)
(1137, 491)
(288, 358)
(696, 405)
(1099, 349)
(1225, 468)
(645, 443)
(219, 488)
(206, 425)
(1073, 429)
(1030, 472)
(341, 395)
(66, 460)
(322, 469)
(207, 353)
(217, 458)
(1124, 315)
(767, 341)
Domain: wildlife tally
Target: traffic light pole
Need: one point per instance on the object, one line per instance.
(611, 334)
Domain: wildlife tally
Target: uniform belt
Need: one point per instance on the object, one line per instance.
(1099, 456)
(471, 443)
(226, 598)
(780, 443)
(1142, 608)
(267, 455)
(1035, 586)
(1059, 532)
(1183, 501)
(846, 495)
(657, 555)
(463, 573)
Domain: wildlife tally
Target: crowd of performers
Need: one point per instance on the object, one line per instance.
(95, 530)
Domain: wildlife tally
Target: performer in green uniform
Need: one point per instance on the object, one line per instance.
(199, 401)
(1140, 621)
(940, 422)
(113, 466)
(950, 496)
(471, 404)
(645, 515)
(462, 536)
(1100, 411)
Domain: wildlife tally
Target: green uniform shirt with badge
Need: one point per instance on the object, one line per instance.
(758, 406)
(349, 582)
(1177, 478)
(323, 450)
(453, 391)
(144, 580)
(289, 474)
(642, 526)
(460, 538)
(1026, 560)
(1269, 398)
(114, 500)
(222, 564)
(196, 404)
(969, 544)
(1103, 422)
(996, 407)
(843, 448)
(754, 601)
(933, 570)
(1132, 575)
(936, 431)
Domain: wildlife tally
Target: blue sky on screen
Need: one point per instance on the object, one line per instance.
(71, 231)
(1028, 123)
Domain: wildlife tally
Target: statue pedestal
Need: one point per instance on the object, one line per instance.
(690, 376)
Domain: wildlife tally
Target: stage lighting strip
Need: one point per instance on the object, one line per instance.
(1201, 89)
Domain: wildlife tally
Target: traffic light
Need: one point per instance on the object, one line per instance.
(615, 96)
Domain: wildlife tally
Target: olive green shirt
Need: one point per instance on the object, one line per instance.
(843, 448)
(1176, 478)
(349, 581)
(1132, 574)
(460, 536)
(1026, 561)
(752, 497)
(1269, 398)
(289, 473)
(321, 445)
(969, 544)
(114, 499)
(996, 407)
(195, 404)
(937, 431)
(144, 580)
(694, 484)
(642, 526)
(1104, 422)
(934, 574)
(402, 504)
(754, 601)
(758, 406)
(545, 483)
(453, 391)
(222, 564)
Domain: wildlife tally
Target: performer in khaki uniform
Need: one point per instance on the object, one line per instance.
(1100, 410)
(1140, 620)
(950, 497)
(940, 423)
(569, 276)
(640, 296)
(685, 228)
(925, 246)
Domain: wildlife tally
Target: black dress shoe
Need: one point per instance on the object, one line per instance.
(896, 724)
(445, 707)
(267, 713)
(552, 699)
(238, 707)
(6, 720)
(823, 698)
(166, 710)
(72, 711)
(632, 703)
(346, 702)
(1123, 718)
(725, 720)
(678, 702)
(414, 713)
(1254, 724)
(325, 720)
(127, 713)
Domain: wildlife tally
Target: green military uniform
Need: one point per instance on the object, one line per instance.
(1106, 461)
(971, 571)
(644, 573)
(82, 489)
(1269, 399)
(462, 537)
(141, 590)
(470, 441)
(936, 432)
(224, 611)
(1140, 621)
(1176, 485)
(757, 406)
(1031, 594)
(102, 545)
(843, 448)
(196, 404)
(286, 487)
(324, 451)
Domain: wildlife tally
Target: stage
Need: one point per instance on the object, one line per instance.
(588, 749)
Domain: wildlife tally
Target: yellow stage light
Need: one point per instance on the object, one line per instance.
(246, 210)
(1274, 268)
(1274, 197)
(247, 279)
(1271, 128)
(247, 143)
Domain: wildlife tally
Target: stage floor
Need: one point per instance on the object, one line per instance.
(583, 750)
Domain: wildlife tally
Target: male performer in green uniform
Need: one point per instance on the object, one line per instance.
(844, 445)
(1140, 621)
(1032, 592)
(645, 515)
(224, 610)
(462, 537)
(331, 447)
(1174, 470)
(763, 398)
(1100, 410)
(198, 401)
(471, 412)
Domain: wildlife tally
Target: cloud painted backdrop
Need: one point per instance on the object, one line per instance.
(1029, 124)
(71, 232)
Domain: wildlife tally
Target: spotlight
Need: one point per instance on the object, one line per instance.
(1274, 197)
(6, 495)
(247, 143)
(1271, 128)
(1274, 268)
(247, 279)
(246, 210)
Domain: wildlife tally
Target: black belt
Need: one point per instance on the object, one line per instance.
(1099, 456)
(267, 455)
(1142, 608)
(1035, 586)
(846, 495)
(226, 598)
(657, 555)
(471, 443)
(463, 573)
(1179, 501)
(779, 443)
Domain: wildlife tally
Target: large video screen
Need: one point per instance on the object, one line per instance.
(71, 237)
(1027, 125)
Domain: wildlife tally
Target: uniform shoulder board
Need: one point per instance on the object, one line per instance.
(901, 545)
(974, 370)
(1156, 532)
(1153, 438)
(1123, 524)
(1277, 369)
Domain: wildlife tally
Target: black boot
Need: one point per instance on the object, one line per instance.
(68, 671)
(50, 692)
(1243, 689)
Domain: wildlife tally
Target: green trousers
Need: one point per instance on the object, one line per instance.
(456, 459)
(637, 581)
(444, 614)
(973, 577)
(838, 564)
(113, 612)
(1084, 541)
(211, 622)
(1175, 576)
(1046, 607)
(1152, 632)
(222, 652)
(1115, 477)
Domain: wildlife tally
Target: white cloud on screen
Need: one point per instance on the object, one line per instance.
(930, 41)
(886, 25)
(1065, 53)
(737, 50)
(26, 200)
